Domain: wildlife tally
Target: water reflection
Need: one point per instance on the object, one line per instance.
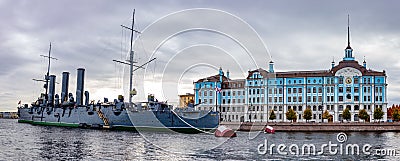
(27, 142)
(62, 143)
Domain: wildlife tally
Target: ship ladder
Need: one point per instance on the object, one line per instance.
(105, 120)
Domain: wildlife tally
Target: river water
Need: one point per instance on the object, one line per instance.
(19, 141)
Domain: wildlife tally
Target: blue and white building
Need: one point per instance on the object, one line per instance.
(347, 84)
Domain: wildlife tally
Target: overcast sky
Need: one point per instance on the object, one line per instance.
(188, 43)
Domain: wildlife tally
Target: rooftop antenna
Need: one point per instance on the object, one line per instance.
(130, 62)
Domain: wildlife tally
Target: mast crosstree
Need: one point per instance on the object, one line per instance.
(130, 62)
(46, 78)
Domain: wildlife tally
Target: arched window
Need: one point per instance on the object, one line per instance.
(356, 107)
(349, 107)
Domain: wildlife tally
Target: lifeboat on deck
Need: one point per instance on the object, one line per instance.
(223, 131)
(269, 130)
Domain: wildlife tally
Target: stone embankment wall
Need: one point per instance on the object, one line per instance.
(315, 127)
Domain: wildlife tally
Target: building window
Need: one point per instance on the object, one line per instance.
(289, 90)
(355, 80)
(340, 108)
(294, 90)
(349, 107)
(340, 89)
(340, 98)
(356, 107)
(356, 98)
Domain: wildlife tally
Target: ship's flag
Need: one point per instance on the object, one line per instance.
(19, 102)
(218, 90)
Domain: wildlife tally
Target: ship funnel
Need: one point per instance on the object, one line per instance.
(86, 98)
(79, 86)
(64, 88)
(51, 89)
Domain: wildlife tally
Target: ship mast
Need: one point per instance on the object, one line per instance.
(48, 71)
(130, 62)
(131, 58)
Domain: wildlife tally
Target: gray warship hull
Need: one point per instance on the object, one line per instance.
(154, 117)
(104, 117)
(48, 111)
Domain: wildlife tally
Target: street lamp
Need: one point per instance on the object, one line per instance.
(251, 106)
(321, 109)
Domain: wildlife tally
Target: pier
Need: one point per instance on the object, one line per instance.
(8, 115)
(316, 127)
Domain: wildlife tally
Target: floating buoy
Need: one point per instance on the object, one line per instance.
(223, 131)
(269, 130)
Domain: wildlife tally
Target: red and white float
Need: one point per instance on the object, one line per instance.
(269, 129)
(223, 131)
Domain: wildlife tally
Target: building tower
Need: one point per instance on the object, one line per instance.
(348, 51)
(271, 67)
